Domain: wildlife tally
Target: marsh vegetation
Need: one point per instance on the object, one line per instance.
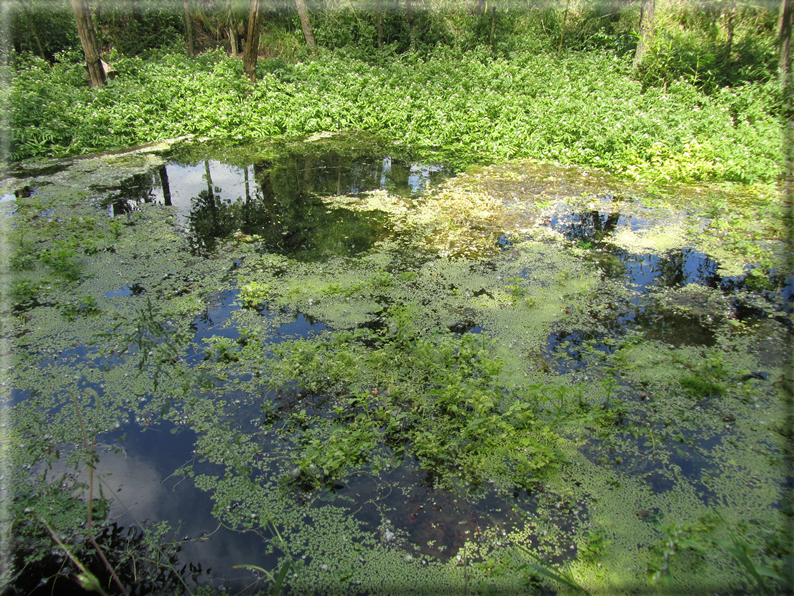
(412, 313)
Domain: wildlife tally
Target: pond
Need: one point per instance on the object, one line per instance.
(380, 375)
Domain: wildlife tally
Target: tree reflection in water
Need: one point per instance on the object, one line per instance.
(283, 205)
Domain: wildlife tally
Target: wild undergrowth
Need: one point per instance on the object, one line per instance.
(577, 108)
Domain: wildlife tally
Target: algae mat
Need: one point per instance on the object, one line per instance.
(392, 377)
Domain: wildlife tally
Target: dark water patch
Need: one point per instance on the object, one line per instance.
(587, 227)
(752, 305)
(465, 326)
(661, 300)
(305, 230)
(594, 229)
(22, 193)
(76, 355)
(676, 330)
(137, 477)
(567, 352)
(659, 460)
(301, 328)
(214, 323)
(123, 199)
(217, 312)
(673, 268)
(404, 506)
(21, 395)
(126, 290)
(611, 266)
(504, 242)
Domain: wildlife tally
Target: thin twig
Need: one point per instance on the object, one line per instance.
(87, 575)
(89, 528)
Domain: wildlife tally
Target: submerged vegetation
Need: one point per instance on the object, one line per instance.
(476, 398)
(473, 300)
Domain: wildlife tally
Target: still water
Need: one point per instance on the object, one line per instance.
(236, 218)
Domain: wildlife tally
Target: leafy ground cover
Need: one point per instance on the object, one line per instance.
(578, 108)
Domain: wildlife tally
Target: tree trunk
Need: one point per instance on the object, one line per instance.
(247, 187)
(303, 13)
(232, 29)
(493, 26)
(409, 16)
(234, 44)
(166, 186)
(647, 15)
(211, 195)
(85, 29)
(307, 173)
(191, 50)
(252, 40)
(379, 11)
(784, 59)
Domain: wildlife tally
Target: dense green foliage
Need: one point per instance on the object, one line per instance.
(711, 43)
(694, 44)
(582, 108)
(476, 82)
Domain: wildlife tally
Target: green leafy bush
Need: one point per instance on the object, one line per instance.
(700, 387)
(63, 262)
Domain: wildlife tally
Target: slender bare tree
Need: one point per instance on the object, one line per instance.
(85, 29)
(784, 47)
(251, 50)
(232, 29)
(306, 25)
(647, 16)
(191, 50)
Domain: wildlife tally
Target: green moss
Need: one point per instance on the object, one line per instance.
(701, 388)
